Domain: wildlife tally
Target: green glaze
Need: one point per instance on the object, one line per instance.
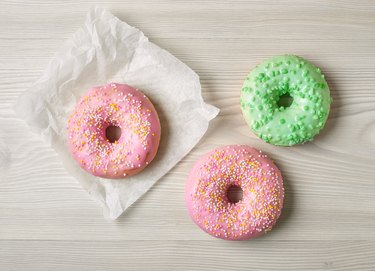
(277, 76)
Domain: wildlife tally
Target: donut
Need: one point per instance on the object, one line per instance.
(120, 108)
(247, 169)
(285, 100)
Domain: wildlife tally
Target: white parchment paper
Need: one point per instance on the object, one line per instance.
(108, 50)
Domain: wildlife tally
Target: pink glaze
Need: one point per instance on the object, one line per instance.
(114, 105)
(243, 166)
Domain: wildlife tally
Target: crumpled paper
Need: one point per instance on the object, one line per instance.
(107, 50)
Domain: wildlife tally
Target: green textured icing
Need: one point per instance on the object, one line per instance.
(276, 121)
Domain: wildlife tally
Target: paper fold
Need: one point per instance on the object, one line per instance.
(107, 50)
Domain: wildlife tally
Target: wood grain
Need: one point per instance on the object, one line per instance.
(47, 222)
(188, 255)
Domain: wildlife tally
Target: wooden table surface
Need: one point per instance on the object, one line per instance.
(47, 221)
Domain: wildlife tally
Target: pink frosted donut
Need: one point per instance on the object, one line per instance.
(114, 107)
(235, 166)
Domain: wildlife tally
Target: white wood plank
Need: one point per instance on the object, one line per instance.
(48, 222)
(189, 255)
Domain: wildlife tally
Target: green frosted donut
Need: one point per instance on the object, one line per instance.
(285, 100)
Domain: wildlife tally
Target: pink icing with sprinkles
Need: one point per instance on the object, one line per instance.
(121, 106)
(237, 165)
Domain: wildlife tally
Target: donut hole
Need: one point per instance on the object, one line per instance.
(234, 193)
(285, 100)
(113, 133)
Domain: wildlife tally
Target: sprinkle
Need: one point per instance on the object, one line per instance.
(112, 105)
(262, 192)
(265, 112)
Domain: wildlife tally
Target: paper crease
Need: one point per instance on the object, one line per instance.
(108, 50)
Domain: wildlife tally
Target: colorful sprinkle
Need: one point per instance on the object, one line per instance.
(247, 168)
(113, 105)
